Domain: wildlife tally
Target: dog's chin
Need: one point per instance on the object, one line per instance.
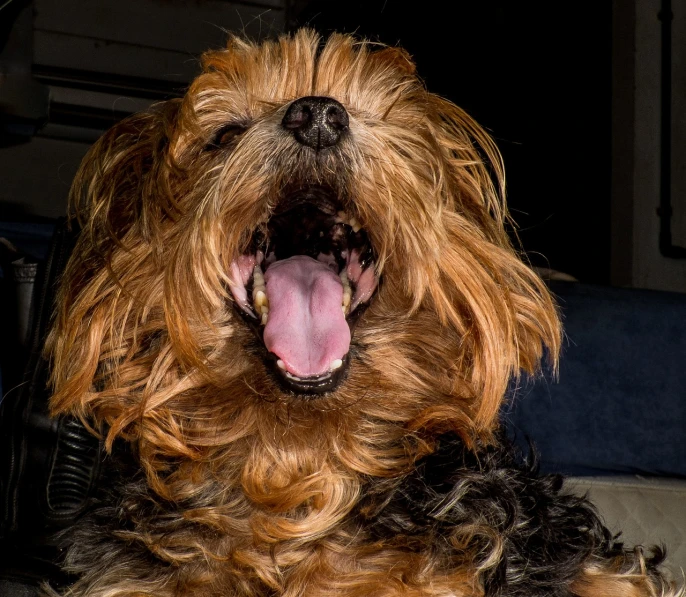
(301, 286)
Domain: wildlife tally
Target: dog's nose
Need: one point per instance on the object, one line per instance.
(317, 122)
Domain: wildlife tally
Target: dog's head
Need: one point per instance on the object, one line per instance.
(307, 239)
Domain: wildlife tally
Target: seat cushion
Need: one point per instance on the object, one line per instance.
(647, 510)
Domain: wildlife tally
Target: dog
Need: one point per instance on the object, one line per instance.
(293, 313)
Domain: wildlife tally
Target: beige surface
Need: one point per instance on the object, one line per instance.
(648, 511)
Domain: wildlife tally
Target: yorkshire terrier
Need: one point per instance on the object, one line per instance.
(295, 301)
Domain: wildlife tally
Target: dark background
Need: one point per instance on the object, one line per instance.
(538, 77)
(569, 90)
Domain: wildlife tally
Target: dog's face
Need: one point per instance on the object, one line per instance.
(309, 240)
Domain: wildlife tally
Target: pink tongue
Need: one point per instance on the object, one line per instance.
(306, 327)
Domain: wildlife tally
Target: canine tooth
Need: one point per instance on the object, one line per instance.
(264, 318)
(355, 225)
(347, 298)
(260, 298)
(347, 291)
(281, 364)
(263, 301)
(338, 363)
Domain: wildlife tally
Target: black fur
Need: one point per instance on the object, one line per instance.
(547, 534)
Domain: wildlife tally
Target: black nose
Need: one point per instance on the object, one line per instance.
(317, 122)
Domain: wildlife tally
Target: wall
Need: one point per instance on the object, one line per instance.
(650, 269)
(100, 61)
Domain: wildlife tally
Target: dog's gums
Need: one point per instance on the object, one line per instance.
(308, 276)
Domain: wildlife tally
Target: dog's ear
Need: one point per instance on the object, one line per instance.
(503, 312)
(121, 173)
(116, 198)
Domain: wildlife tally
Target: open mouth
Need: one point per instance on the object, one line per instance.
(302, 285)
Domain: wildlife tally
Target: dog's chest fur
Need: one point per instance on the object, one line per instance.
(468, 508)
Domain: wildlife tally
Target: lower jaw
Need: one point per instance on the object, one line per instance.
(309, 387)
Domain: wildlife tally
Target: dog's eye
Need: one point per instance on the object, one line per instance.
(225, 135)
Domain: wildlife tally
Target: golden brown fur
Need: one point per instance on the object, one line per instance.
(147, 347)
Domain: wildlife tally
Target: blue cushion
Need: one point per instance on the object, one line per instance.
(620, 403)
(32, 238)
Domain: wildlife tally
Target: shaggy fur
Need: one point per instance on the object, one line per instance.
(394, 482)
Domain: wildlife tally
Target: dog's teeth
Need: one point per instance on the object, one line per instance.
(264, 318)
(281, 364)
(264, 309)
(337, 364)
(258, 277)
(260, 299)
(347, 291)
(352, 222)
(259, 292)
(256, 290)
